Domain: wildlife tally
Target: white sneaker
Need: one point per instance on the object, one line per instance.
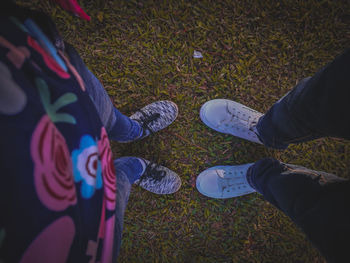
(231, 117)
(224, 181)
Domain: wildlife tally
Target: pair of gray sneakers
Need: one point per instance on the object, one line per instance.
(152, 118)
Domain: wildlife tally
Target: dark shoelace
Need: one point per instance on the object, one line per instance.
(146, 119)
(152, 171)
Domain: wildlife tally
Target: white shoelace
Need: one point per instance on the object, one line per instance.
(237, 183)
(238, 119)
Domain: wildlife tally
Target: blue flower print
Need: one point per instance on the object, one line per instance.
(87, 166)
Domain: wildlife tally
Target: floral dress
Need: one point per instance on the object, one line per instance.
(58, 184)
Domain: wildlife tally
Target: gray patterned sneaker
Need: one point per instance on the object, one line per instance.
(155, 116)
(158, 179)
(231, 117)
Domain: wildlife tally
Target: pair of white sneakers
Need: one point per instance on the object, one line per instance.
(233, 118)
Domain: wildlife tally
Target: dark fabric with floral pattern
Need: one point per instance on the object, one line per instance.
(58, 184)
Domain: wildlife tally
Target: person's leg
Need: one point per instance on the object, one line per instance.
(316, 201)
(151, 177)
(119, 127)
(148, 120)
(316, 107)
(128, 169)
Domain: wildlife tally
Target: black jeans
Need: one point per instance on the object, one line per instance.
(319, 203)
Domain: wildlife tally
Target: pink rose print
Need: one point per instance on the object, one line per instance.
(49, 61)
(108, 170)
(53, 243)
(53, 171)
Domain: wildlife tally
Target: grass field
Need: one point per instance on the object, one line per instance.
(253, 52)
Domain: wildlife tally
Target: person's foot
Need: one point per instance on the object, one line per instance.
(158, 179)
(231, 117)
(224, 181)
(155, 117)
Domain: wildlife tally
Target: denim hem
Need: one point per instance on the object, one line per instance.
(249, 179)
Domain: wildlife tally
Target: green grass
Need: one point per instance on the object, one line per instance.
(254, 52)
